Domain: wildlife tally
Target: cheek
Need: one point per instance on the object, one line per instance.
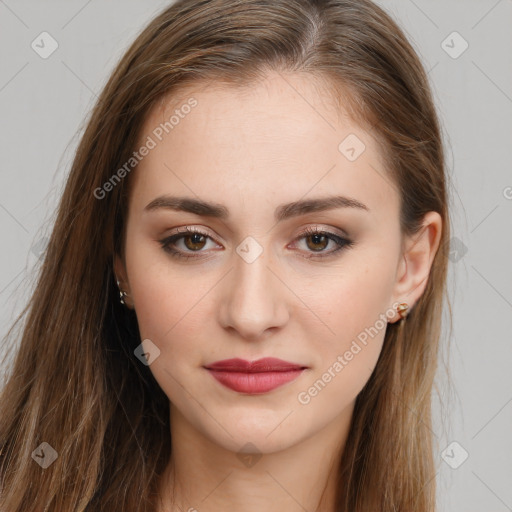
(170, 304)
(354, 298)
(354, 307)
(347, 358)
(169, 313)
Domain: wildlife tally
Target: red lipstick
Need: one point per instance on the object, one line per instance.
(254, 377)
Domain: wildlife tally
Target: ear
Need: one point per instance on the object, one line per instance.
(121, 275)
(416, 260)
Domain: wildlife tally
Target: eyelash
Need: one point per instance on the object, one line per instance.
(343, 243)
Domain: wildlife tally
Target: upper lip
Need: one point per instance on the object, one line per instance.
(267, 364)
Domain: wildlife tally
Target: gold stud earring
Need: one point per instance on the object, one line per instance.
(403, 310)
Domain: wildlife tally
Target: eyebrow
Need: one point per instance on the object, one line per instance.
(282, 212)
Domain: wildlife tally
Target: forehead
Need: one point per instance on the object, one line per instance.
(272, 141)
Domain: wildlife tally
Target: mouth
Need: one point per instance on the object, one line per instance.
(254, 377)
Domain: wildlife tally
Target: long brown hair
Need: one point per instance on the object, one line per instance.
(75, 382)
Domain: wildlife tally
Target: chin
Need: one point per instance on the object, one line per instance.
(259, 434)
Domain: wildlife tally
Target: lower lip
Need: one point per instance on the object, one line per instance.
(254, 383)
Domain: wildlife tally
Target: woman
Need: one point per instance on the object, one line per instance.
(240, 304)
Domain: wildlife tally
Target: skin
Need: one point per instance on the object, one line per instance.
(251, 150)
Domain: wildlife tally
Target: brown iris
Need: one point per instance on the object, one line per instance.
(316, 238)
(196, 243)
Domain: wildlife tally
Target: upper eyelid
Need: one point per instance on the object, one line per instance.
(333, 231)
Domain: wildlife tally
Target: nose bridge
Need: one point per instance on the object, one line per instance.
(255, 299)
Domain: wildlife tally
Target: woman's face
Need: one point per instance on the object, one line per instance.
(252, 284)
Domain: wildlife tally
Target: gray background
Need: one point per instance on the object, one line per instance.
(44, 103)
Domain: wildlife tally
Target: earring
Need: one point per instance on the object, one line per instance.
(122, 294)
(403, 310)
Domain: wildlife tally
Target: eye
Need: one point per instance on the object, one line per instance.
(317, 240)
(193, 239)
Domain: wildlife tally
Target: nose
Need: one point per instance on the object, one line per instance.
(253, 301)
